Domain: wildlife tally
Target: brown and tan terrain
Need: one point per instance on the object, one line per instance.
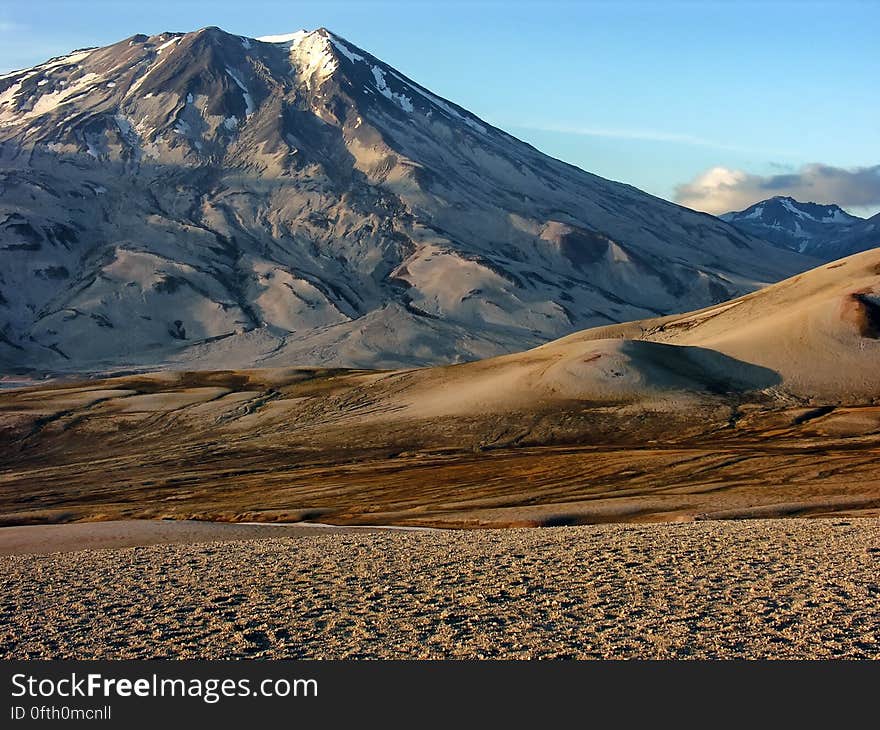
(767, 405)
(745, 589)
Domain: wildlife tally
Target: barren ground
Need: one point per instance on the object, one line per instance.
(329, 446)
(758, 588)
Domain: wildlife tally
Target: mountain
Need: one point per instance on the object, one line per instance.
(826, 232)
(207, 200)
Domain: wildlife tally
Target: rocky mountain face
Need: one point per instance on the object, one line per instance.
(826, 232)
(208, 200)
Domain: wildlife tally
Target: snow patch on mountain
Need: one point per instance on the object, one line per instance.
(143, 77)
(313, 57)
(131, 137)
(291, 38)
(404, 102)
(839, 216)
(345, 50)
(248, 99)
(168, 43)
(44, 102)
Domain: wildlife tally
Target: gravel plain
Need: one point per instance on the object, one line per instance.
(794, 588)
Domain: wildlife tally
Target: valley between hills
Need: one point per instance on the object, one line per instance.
(716, 414)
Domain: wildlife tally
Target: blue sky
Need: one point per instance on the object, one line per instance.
(731, 100)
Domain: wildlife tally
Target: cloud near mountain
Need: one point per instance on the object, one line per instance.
(721, 189)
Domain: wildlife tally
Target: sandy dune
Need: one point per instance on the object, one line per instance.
(768, 405)
(818, 331)
(759, 589)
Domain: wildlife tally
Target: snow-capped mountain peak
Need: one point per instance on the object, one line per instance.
(823, 230)
(217, 200)
(778, 208)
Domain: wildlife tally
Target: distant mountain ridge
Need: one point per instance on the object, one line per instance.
(209, 200)
(825, 231)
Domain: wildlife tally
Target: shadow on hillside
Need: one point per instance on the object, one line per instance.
(687, 367)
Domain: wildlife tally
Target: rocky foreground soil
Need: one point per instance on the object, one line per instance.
(723, 589)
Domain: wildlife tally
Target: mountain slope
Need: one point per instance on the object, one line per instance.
(824, 231)
(219, 201)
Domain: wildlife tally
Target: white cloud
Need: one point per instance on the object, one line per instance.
(720, 189)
